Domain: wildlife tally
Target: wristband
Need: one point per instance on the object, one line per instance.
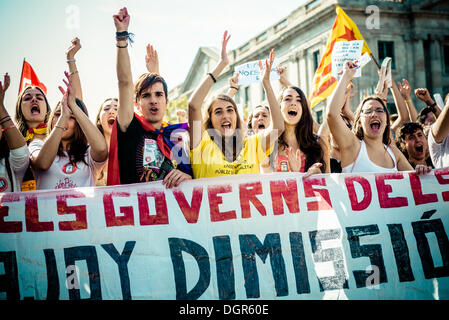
(125, 46)
(63, 128)
(124, 36)
(433, 106)
(11, 126)
(72, 73)
(232, 87)
(5, 119)
(212, 76)
(71, 60)
(408, 100)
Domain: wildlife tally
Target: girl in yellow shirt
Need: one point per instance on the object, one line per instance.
(217, 142)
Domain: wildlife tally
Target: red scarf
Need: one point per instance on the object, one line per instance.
(113, 163)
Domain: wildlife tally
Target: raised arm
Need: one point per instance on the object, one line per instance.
(275, 130)
(401, 106)
(346, 110)
(125, 80)
(405, 89)
(13, 136)
(324, 132)
(197, 98)
(44, 159)
(233, 85)
(424, 95)
(440, 129)
(98, 146)
(282, 71)
(73, 70)
(152, 60)
(342, 134)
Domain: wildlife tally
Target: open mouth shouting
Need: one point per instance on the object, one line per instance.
(226, 126)
(35, 109)
(260, 126)
(111, 121)
(292, 113)
(154, 110)
(375, 125)
(419, 149)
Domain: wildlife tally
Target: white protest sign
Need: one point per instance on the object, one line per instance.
(346, 51)
(250, 72)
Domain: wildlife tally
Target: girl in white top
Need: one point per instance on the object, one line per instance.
(74, 151)
(368, 147)
(14, 155)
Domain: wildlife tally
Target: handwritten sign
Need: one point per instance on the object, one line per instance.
(346, 51)
(250, 72)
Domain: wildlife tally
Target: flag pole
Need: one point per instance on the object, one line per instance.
(375, 61)
(21, 76)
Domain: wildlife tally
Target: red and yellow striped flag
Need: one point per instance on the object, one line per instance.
(344, 29)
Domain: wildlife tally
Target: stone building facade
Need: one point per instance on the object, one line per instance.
(415, 33)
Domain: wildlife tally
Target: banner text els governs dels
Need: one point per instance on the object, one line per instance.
(281, 191)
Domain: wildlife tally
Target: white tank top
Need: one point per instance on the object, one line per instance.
(364, 164)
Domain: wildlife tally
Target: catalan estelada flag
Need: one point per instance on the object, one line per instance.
(29, 77)
(344, 29)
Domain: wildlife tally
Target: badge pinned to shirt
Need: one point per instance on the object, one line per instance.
(69, 168)
(152, 157)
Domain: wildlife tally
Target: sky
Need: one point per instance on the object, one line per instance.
(41, 30)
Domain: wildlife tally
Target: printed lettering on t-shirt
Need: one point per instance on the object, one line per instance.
(65, 183)
(3, 184)
(69, 168)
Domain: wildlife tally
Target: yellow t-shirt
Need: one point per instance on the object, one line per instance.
(208, 161)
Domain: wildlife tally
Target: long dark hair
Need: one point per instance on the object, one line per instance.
(307, 140)
(78, 145)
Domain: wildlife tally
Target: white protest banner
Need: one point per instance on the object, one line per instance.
(346, 51)
(273, 236)
(250, 72)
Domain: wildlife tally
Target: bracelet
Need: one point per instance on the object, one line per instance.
(63, 128)
(212, 76)
(72, 73)
(433, 106)
(123, 46)
(71, 60)
(4, 119)
(11, 126)
(408, 100)
(232, 87)
(124, 35)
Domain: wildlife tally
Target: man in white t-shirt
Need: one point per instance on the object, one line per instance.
(438, 139)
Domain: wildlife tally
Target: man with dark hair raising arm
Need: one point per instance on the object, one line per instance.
(141, 148)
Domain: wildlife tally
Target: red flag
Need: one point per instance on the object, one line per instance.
(29, 78)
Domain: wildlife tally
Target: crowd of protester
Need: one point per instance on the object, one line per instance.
(131, 143)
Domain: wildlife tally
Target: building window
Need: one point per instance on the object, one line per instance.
(446, 58)
(247, 96)
(280, 25)
(312, 4)
(244, 47)
(316, 59)
(386, 49)
(319, 116)
(262, 37)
